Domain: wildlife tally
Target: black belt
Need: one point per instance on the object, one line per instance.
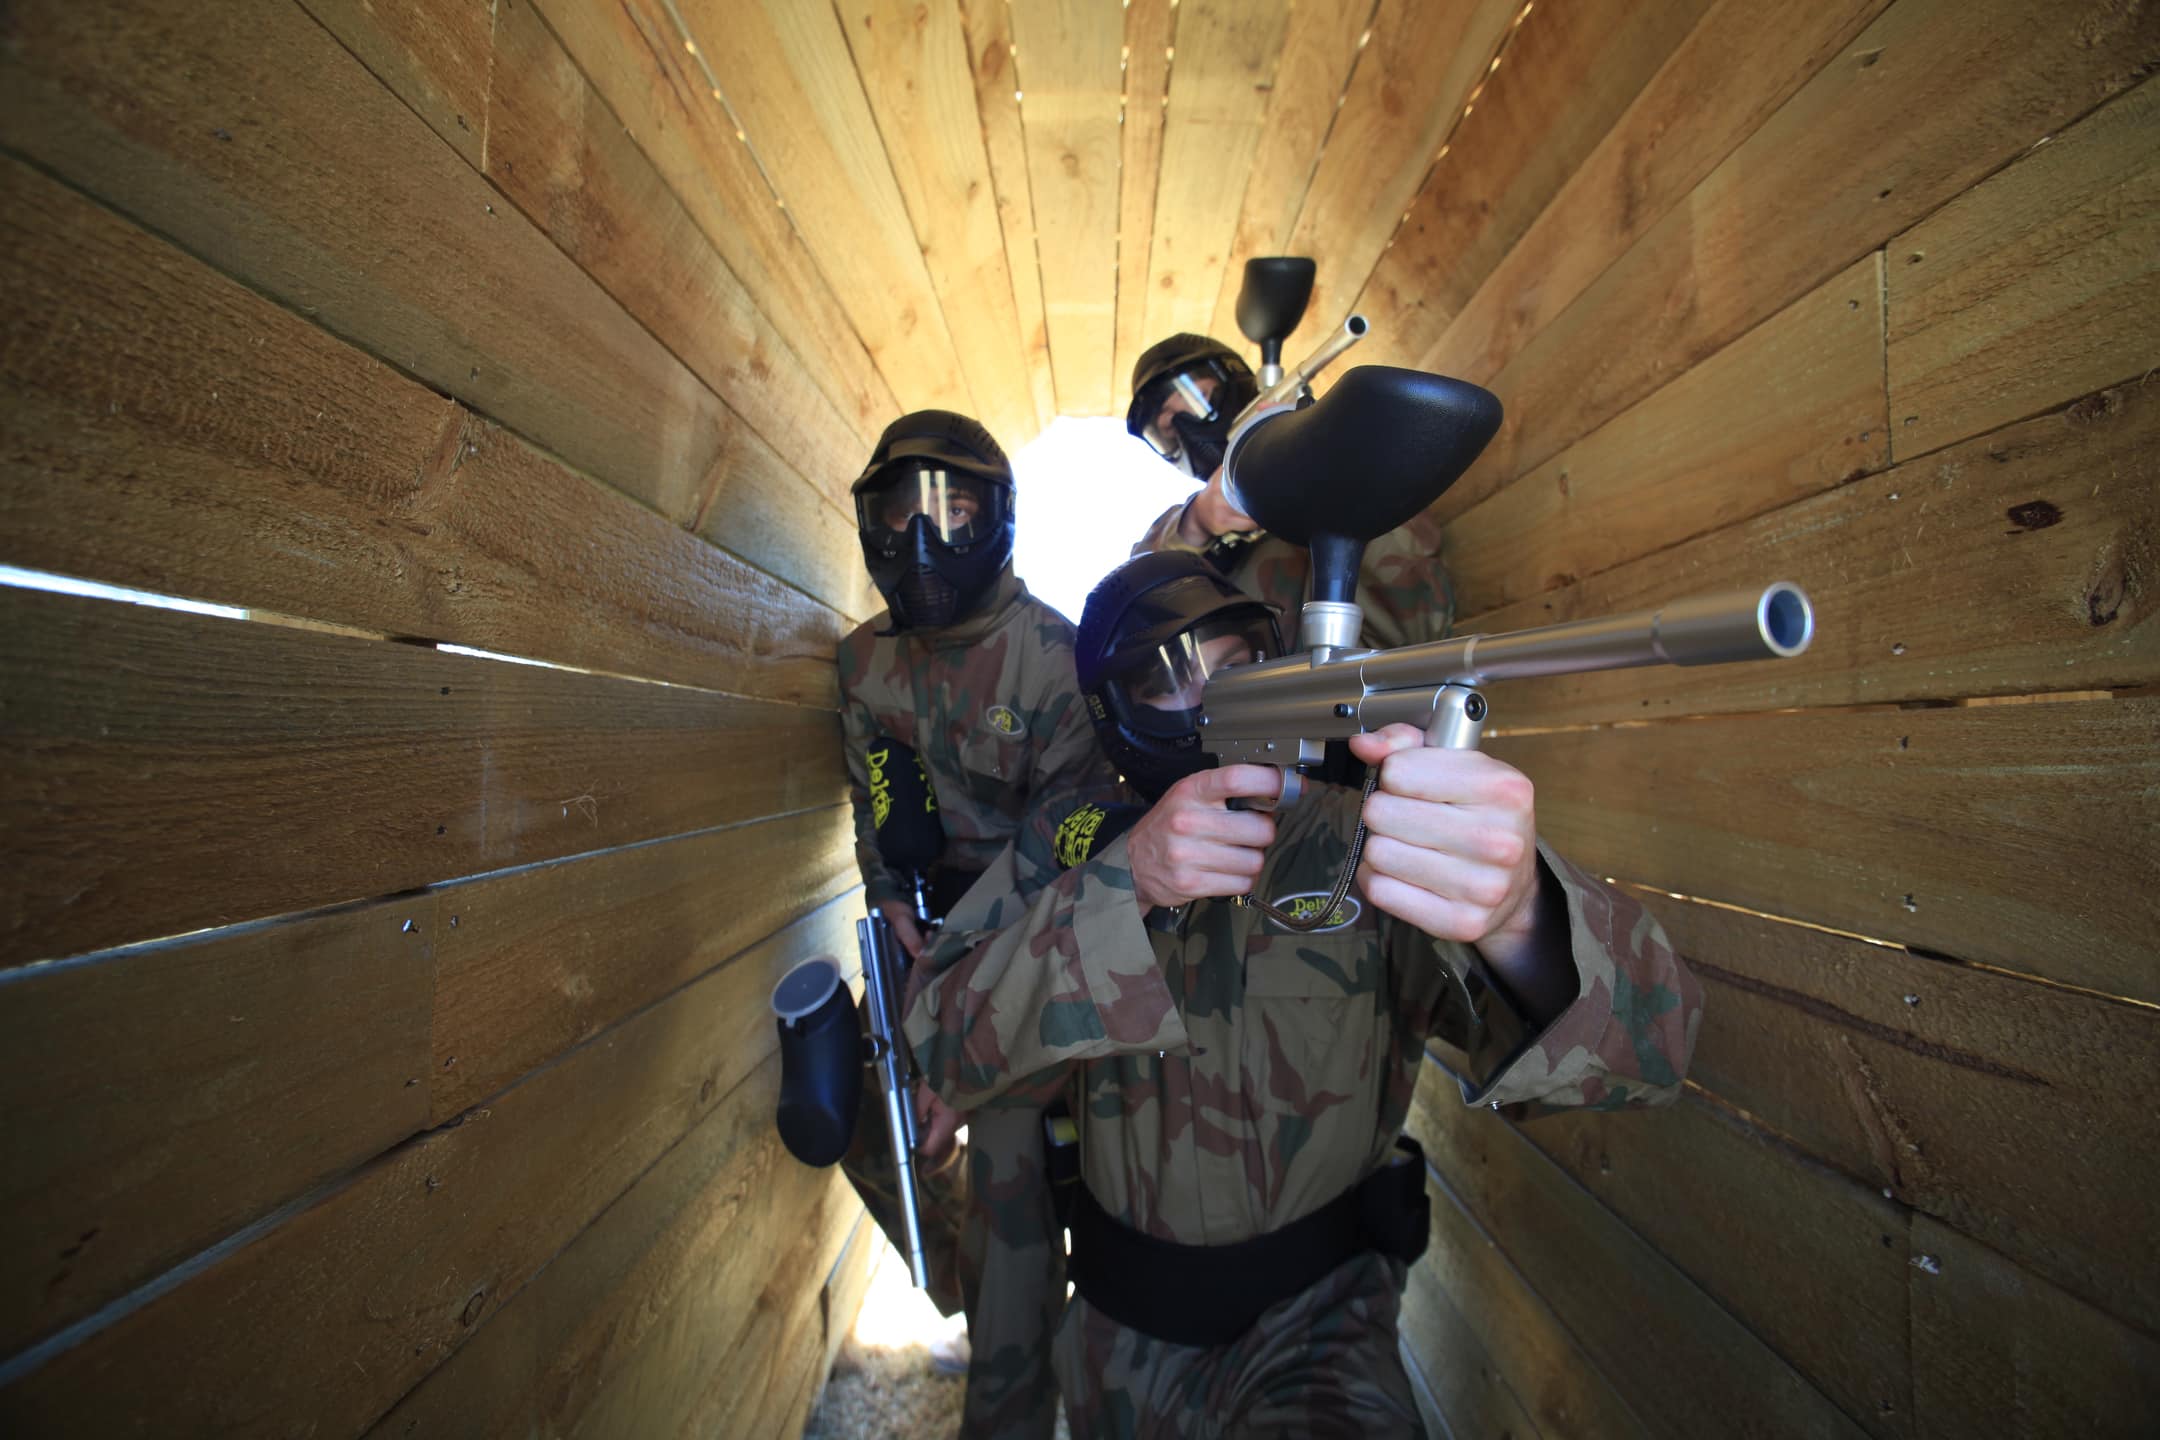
(1211, 1294)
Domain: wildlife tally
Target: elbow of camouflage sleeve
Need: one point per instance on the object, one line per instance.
(1627, 1039)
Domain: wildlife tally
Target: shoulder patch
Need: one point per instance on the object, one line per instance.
(1308, 904)
(1005, 720)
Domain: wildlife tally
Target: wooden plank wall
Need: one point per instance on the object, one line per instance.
(1863, 296)
(383, 1030)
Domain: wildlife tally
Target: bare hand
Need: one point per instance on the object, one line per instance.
(1452, 840)
(1210, 513)
(1190, 844)
(937, 1126)
(901, 916)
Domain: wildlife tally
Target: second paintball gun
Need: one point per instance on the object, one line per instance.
(823, 1048)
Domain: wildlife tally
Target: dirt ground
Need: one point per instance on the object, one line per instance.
(883, 1386)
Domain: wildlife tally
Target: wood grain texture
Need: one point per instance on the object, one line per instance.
(915, 71)
(402, 1264)
(1321, 50)
(2033, 288)
(168, 429)
(160, 1099)
(1790, 409)
(1219, 86)
(1144, 104)
(599, 197)
(1735, 68)
(997, 102)
(634, 57)
(1997, 1351)
(222, 129)
(1809, 1260)
(792, 86)
(2017, 835)
(166, 772)
(1498, 1359)
(538, 961)
(2019, 562)
(562, 156)
(1670, 1351)
(709, 1219)
(1563, 79)
(1926, 102)
(435, 54)
(1067, 68)
(1424, 58)
(2018, 1113)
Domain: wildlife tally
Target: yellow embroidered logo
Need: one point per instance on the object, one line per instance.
(1075, 836)
(1305, 906)
(1005, 720)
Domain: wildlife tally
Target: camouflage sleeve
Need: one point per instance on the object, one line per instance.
(857, 728)
(1016, 992)
(1404, 587)
(1628, 1037)
(1163, 534)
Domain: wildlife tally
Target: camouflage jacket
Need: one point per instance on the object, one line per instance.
(1402, 586)
(1234, 1076)
(990, 706)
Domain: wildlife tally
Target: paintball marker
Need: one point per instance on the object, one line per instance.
(823, 1047)
(1405, 436)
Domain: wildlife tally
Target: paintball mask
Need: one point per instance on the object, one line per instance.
(1152, 633)
(1186, 392)
(935, 512)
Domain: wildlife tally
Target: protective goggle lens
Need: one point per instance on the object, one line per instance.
(1160, 692)
(1189, 392)
(960, 509)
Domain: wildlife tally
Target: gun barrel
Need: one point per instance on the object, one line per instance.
(881, 987)
(1276, 700)
(1293, 384)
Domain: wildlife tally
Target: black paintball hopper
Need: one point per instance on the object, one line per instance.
(1378, 448)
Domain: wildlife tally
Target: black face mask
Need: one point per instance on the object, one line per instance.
(928, 584)
(1203, 443)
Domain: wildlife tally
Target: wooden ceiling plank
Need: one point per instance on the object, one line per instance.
(990, 55)
(918, 79)
(633, 57)
(1423, 59)
(322, 484)
(1225, 65)
(1923, 827)
(1067, 70)
(2026, 541)
(1320, 50)
(1928, 101)
(342, 767)
(1736, 67)
(1565, 75)
(790, 82)
(1148, 35)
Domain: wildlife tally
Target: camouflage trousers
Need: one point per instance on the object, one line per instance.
(1322, 1363)
(994, 1248)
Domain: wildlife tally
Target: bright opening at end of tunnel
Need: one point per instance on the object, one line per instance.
(1084, 492)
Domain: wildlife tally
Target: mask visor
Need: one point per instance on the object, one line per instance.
(958, 508)
(1159, 693)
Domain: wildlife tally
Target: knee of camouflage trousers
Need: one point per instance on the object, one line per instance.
(1017, 1253)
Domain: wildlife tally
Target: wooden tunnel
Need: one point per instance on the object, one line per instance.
(383, 1039)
